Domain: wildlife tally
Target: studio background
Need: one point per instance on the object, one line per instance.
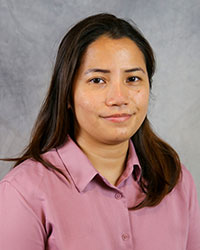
(30, 32)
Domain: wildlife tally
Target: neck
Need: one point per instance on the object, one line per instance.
(109, 160)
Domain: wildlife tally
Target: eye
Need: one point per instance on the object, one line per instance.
(97, 80)
(133, 79)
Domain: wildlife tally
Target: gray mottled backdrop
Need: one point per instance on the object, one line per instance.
(30, 31)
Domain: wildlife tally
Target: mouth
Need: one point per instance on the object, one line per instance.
(117, 118)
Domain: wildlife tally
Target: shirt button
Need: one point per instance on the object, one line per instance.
(125, 237)
(118, 196)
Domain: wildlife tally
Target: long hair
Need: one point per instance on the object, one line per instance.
(159, 162)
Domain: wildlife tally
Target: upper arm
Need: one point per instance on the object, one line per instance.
(21, 228)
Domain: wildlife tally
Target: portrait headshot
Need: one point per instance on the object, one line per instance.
(99, 125)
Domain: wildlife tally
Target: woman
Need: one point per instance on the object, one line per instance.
(94, 175)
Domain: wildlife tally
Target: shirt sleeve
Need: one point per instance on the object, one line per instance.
(20, 227)
(193, 242)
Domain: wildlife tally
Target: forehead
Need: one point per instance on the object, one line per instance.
(106, 51)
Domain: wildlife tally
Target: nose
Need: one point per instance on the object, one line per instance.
(117, 95)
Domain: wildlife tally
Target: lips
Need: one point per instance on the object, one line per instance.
(117, 117)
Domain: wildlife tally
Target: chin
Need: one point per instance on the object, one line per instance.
(116, 139)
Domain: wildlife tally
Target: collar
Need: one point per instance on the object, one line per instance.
(82, 171)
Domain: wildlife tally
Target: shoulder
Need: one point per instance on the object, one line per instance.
(31, 177)
(27, 172)
(186, 180)
(186, 189)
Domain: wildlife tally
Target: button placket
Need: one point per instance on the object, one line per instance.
(125, 237)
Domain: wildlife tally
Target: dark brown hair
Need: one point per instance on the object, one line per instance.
(159, 162)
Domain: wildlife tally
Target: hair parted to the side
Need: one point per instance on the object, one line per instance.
(160, 164)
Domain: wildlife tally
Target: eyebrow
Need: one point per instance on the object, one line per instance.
(105, 71)
(97, 70)
(135, 69)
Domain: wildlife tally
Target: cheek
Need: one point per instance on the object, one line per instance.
(84, 103)
(142, 99)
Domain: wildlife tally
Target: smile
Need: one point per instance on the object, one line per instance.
(117, 118)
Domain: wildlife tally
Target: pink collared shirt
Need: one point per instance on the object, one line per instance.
(40, 209)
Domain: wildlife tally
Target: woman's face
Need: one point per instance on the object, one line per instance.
(111, 91)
